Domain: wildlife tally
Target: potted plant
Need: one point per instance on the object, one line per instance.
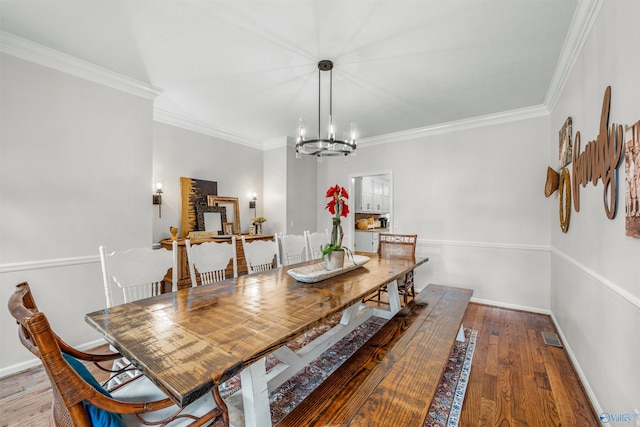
(333, 253)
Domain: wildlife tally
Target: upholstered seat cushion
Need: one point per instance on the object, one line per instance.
(143, 390)
(99, 417)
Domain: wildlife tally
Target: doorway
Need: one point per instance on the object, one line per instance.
(371, 197)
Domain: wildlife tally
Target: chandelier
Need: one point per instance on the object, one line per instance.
(329, 145)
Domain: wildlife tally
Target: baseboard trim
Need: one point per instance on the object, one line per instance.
(33, 362)
(511, 306)
(583, 379)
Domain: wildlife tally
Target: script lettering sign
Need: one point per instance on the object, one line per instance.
(600, 160)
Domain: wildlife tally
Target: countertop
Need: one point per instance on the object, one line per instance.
(373, 230)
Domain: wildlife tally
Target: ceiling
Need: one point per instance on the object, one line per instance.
(250, 67)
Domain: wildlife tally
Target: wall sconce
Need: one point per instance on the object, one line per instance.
(252, 203)
(157, 198)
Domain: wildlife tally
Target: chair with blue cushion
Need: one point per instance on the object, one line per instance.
(80, 401)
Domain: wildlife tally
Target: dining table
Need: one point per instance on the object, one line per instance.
(190, 341)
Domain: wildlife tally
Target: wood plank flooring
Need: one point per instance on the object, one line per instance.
(516, 380)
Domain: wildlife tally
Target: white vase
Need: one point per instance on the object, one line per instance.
(334, 260)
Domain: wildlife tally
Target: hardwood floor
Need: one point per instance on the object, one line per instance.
(516, 380)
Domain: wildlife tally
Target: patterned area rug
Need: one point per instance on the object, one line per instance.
(447, 403)
(444, 410)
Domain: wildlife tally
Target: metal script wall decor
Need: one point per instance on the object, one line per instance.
(599, 160)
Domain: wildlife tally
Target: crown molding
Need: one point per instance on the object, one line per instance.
(51, 58)
(279, 142)
(185, 122)
(476, 122)
(583, 19)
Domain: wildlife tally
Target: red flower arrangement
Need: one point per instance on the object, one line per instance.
(338, 207)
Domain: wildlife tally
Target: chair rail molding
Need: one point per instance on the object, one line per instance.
(624, 296)
(48, 263)
(488, 245)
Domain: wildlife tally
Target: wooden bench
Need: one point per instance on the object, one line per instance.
(392, 378)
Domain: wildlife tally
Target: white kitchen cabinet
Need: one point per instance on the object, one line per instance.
(372, 194)
(366, 241)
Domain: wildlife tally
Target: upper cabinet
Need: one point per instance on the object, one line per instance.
(373, 194)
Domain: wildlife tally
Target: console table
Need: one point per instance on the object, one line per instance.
(184, 277)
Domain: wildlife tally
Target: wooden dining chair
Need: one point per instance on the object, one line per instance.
(138, 273)
(261, 255)
(402, 246)
(293, 249)
(315, 242)
(210, 260)
(79, 399)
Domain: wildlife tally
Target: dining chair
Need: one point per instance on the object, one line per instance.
(399, 245)
(293, 249)
(80, 400)
(315, 242)
(261, 255)
(211, 260)
(139, 273)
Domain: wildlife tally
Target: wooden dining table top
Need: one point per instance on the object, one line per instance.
(189, 341)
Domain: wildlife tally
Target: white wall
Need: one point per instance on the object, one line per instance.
(289, 189)
(595, 280)
(475, 199)
(302, 210)
(78, 162)
(179, 153)
(75, 173)
(275, 189)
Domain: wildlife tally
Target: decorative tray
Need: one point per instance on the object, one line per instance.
(317, 272)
